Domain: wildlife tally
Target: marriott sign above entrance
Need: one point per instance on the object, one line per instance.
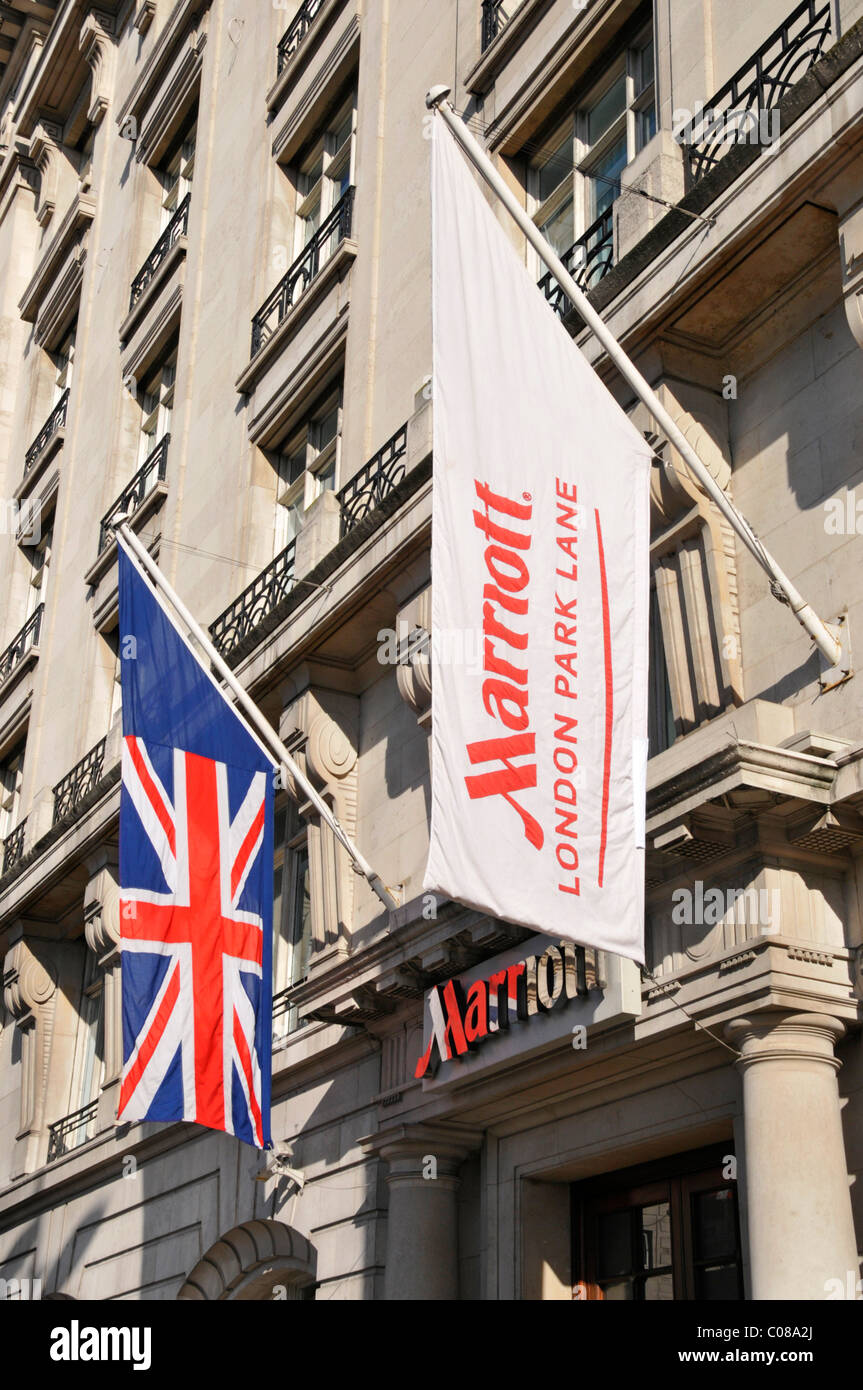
(537, 997)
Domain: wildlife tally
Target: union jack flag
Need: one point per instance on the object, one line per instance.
(196, 859)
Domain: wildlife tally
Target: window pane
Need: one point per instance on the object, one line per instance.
(555, 169)
(327, 428)
(656, 1236)
(615, 1244)
(644, 76)
(343, 133)
(714, 1224)
(646, 125)
(659, 1288)
(718, 1282)
(619, 1292)
(559, 230)
(604, 179)
(606, 110)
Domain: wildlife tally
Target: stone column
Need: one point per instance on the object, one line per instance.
(422, 1225)
(801, 1230)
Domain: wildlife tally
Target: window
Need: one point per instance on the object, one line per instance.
(112, 641)
(88, 1065)
(575, 177)
(664, 1232)
(157, 402)
(306, 467)
(39, 556)
(11, 773)
(292, 927)
(325, 174)
(176, 175)
(661, 728)
(63, 359)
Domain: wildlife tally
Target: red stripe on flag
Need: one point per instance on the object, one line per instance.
(609, 700)
(246, 849)
(246, 1063)
(152, 1040)
(152, 792)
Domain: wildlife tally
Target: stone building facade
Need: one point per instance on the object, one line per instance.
(215, 315)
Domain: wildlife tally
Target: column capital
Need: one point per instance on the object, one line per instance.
(412, 1143)
(774, 1036)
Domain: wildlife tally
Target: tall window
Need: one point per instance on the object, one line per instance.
(325, 173)
(112, 642)
(575, 177)
(39, 556)
(667, 1231)
(176, 175)
(292, 927)
(307, 466)
(88, 1066)
(11, 773)
(661, 728)
(63, 360)
(157, 403)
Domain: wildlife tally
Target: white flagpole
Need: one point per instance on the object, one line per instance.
(825, 638)
(273, 743)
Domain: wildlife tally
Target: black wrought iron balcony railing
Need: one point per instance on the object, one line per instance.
(293, 285)
(56, 420)
(152, 471)
(744, 110)
(21, 643)
(587, 260)
(66, 1134)
(13, 847)
(254, 603)
(85, 775)
(175, 229)
(496, 14)
(375, 480)
(299, 27)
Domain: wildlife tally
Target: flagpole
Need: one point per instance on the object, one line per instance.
(274, 744)
(825, 638)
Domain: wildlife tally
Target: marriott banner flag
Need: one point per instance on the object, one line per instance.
(540, 566)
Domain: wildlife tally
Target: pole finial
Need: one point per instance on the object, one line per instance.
(435, 95)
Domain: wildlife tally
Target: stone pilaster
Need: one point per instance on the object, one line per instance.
(29, 992)
(424, 1162)
(321, 729)
(798, 1204)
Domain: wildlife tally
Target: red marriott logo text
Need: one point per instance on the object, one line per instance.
(505, 525)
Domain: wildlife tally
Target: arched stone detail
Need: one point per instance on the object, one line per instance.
(256, 1260)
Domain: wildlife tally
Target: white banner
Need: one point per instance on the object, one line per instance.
(540, 588)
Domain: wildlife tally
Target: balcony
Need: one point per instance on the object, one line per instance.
(739, 112)
(131, 499)
(587, 260)
(77, 784)
(56, 421)
(367, 489)
(292, 286)
(24, 644)
(300, 26)
(496, 14)
(13, 847)
(66, 1134)
(175, 229)
(254, 603)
